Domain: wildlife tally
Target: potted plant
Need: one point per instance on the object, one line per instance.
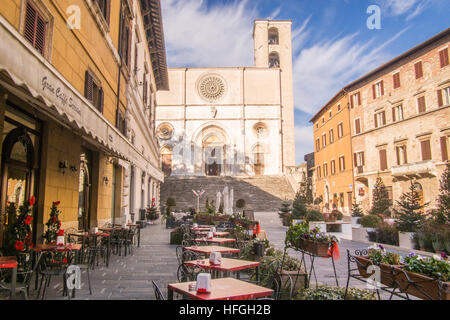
(334, 293)
(311, 240)
(386, 261)
(426, 278)
(285, 214)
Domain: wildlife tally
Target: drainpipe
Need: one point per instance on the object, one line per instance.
(351, 153)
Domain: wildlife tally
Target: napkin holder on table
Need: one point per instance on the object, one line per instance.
(210, 235)
(195, 225)
(213, 229)
(203, 283)
(215, 258)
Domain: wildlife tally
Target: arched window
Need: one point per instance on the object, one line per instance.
(274, 60)
(273, 36)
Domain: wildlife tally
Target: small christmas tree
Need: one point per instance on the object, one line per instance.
(152, 211)
(285, 213)
(443, 201)
(380, 201)
(53, 224)
(19, 234)
(410, 214)
(357, 211)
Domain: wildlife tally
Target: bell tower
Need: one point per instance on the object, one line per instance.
(273, 49)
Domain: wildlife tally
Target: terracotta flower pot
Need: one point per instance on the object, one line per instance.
(388, 273)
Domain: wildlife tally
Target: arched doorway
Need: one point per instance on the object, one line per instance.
(17, 171)
(213, 150)
(167, 155)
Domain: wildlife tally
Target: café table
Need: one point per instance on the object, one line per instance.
(221, 289)
(216, 234)
(206, 250)
(216, 240)
(227, 266)
(10, 263)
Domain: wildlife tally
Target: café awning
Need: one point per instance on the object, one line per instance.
(28, 75)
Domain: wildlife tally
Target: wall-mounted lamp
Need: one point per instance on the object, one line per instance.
(106, 180)
(63, 166)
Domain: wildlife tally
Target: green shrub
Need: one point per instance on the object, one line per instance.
(337, 214)
(387, 234)
(370, 221)
(314, 215)
(334, 293)
(240, 203)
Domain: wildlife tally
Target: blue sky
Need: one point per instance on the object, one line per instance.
(332, 45)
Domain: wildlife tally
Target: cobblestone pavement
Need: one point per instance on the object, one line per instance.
(130, 277)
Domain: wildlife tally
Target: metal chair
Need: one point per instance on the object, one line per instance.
(54, 263)
(24, 274)
(158, 293)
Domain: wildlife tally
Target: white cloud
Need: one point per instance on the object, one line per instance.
(401, 7)
(200, 36)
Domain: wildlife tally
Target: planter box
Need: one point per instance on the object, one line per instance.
(388, 273)
(425, 288)
(318, 249)
(406, 240)
(175, 237)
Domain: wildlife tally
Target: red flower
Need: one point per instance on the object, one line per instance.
(56, 203)
(64, 260)
(19, 245)
(28, 220)
(60, 232)
(32, 201)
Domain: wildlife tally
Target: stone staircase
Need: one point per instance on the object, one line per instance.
(261, 193)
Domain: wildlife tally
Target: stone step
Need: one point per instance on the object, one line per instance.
(263, 193)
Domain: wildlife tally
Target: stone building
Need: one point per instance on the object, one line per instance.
(231, 122)
(400, 122)
(69, 97)
(333, 155)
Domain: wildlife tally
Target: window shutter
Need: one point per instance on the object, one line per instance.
(396, 80)
(352, 104)
(355, 159)
(363, 159)
(359, 98)
(129, 48)
(421, 103)
(426, 150)
(374, 94)
(383, 160)
(384, 118)
(382, 87)
(375, 120)
(393, 115)
(440, 98)
(357, 126)
(108, 11)
(89, 86)
(100, 100)
(443, 56)
(418, 69)
(444, 149)
(397, 151)
(30, 22)
(40, 34)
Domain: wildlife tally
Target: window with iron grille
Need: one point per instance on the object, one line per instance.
(35, 28)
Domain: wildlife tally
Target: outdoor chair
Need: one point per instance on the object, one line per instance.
(179, 253)
(128, 241)
(158, 293)
(24, 274)
(54, 263)
(117, 241)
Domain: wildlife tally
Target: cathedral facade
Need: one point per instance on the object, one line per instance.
(234, 121)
